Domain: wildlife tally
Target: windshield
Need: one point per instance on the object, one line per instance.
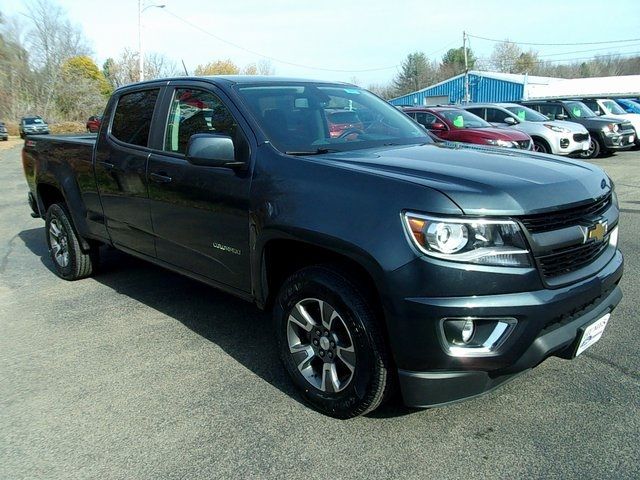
(463, 119)
(579, 110)
(314, 118)
(526, 114)
(31, 121)
(611, 107)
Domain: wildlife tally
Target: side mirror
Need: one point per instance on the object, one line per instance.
(511, 121)
(437, 126)
(597, 112)
(211, 150)
(561, 116)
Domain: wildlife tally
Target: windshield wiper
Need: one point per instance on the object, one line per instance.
(319, 151)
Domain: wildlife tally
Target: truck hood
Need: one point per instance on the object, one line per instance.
(482, 180)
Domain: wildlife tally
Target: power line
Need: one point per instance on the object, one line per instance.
(589, 50)
(569, 60)
(274, 59)
(553, 44)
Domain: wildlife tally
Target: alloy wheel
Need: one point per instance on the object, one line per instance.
(321, 345)
(59, 243)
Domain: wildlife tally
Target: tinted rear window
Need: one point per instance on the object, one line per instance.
(132, 119)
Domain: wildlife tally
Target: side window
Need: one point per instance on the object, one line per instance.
(427, 119)
(551, 111)
(198, 111)
(477, 111)
(495, 115)
(132, 118)
(593, 105)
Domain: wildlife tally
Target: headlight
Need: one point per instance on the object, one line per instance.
(612, 127)
(478, 241)
(501, 143)
(557, 129)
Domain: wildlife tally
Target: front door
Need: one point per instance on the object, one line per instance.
(200, 214)
(120, 169)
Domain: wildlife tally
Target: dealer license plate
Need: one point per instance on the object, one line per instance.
(592, 333)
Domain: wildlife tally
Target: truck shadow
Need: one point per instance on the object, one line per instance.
(238, 327)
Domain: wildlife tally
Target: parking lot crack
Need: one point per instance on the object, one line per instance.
(624, 370)
(5, 258)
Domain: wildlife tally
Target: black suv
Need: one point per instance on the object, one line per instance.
(33, 125)
(4, 135)
(607, 134)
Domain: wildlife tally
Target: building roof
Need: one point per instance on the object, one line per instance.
(619, 86)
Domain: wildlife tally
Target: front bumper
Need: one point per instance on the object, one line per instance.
(548, 324)
(564, 144)
(621, 141)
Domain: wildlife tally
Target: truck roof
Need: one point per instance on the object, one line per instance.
(236, 80)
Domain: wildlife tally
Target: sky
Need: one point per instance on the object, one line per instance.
(345, 40)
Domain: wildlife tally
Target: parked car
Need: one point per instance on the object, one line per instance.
(457, 125)
(629, 106)
(608, 135)
(386, 259)
(343, 122)
(4, 135)
(549, 136)
(93, 123)
(611, 109)
(33, 125)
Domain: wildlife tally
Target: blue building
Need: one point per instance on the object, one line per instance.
(483, 87)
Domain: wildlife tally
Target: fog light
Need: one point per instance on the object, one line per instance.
(467, 331)
(475, 336)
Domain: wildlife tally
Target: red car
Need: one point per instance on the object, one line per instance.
(93, 123)
(341, 122)
(457, 125)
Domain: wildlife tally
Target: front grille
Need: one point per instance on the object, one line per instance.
(524, 144)
(544, 222)
(566, 260)
(580, 137)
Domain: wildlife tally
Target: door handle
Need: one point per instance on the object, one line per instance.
(159, 178)
(107, 165)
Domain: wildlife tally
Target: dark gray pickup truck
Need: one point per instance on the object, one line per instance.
(388, 261)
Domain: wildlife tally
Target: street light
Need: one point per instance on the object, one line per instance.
(141, 9)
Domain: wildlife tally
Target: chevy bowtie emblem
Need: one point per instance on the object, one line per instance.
(597, 231)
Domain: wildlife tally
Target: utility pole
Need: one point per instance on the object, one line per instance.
(466, 67)
(141, 9)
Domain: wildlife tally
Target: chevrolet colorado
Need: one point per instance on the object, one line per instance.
(388, 260)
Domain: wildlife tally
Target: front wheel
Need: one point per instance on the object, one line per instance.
(540, 146)
(331, 343)
(69, 260)
(593, 151)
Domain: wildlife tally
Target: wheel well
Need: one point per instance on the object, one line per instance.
(284, 257)
(535, 138)
(49, 195)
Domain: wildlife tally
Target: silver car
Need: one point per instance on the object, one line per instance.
(549, 136)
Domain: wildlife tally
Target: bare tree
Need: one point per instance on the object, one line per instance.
(265, 67)
(504, 56)
(52, 39)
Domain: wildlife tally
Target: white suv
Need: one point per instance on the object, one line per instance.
(549, 136)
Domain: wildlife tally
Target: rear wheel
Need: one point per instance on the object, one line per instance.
(69, 260)
(330, 342)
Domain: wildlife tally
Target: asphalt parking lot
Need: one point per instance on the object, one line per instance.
(141, 373)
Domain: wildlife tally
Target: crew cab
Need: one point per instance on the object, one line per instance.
(607, 135)
(388, 260)
(549, 136)
(457, 125)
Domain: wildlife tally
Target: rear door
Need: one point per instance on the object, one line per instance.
(121, 169)
(200, 214)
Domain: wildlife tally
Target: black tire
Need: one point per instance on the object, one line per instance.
(78, 264)
(540, 146)
(370, 379)
(594, 149)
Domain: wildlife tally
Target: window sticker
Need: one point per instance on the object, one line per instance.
(458, 121)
